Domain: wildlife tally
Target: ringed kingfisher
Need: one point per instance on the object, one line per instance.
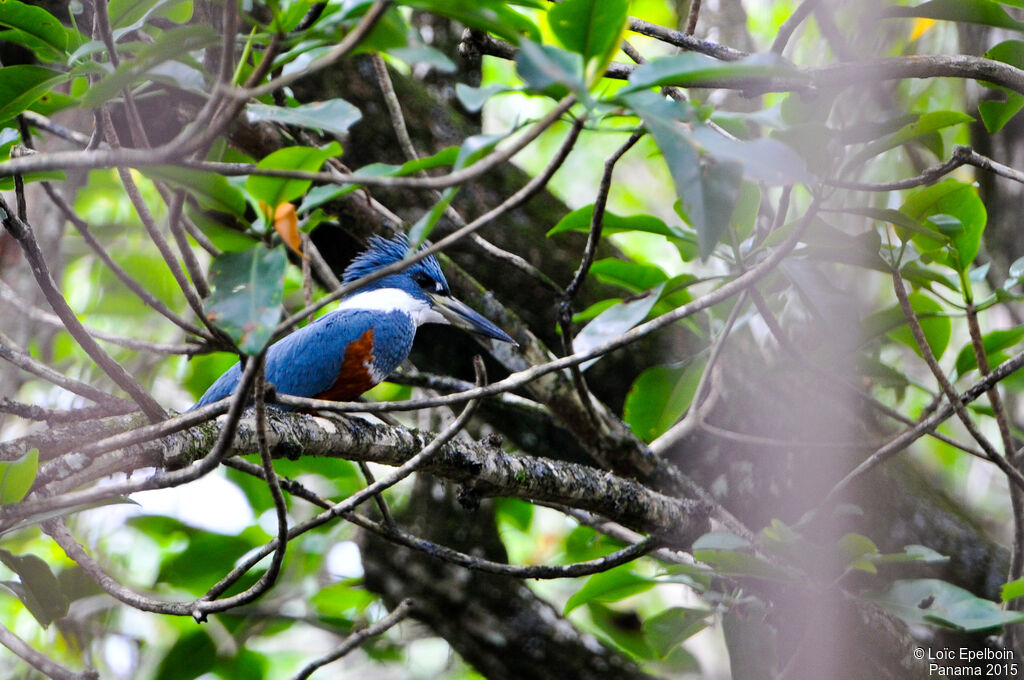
(346, 352)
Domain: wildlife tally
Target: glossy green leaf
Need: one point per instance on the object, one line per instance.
(615, 321)
(857, 551)
(936, 325)
(635, 277)
(579, 220)
(248, 287)
(212, 191)
(274, 191)
(960, 201)
(46, 36)
(694, 69)
(491, 16)
(984, 12)
(925, 125)
(937, 603)
(610, 586)
(659, 397)
(549, 69)
(993, 342)
(22, 85)
(16, 477)
(40, 591)
(334, 116)
(591, 28)
(996, 114)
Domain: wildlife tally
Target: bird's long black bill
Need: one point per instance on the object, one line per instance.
(463, 316)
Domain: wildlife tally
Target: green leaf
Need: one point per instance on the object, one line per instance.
(591, 28)
(610, 586)
(993, 342)
(16, 477)
(765, 159)
(126, 14)
(902, 222)
(659, 397)
(516, 512)
(549, 69)
(996, 114)
(274, 191)
(959, 200)
(615, 321)
(36, 29)
(424, 54)
(707, 191)
(474, 98)
(937, 603)
(858, 551)
(248, 287)
(40, 591)
(984, 12)
(733, 563)
(635, 277)
(344, 599)
(666, 630)
(891, 321)
(192, 655)
(1012, 590)
(491, 16)
(174, 44)
(212, 191)
(22, 85)
(925, 125)
(720, 540)
(692, 68)
(579, 220)
(751, 641)
(317, 196)
(334, 116)
(911, 553)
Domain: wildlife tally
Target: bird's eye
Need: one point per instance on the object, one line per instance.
(423, 281)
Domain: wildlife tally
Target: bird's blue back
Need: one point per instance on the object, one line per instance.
(307, 362)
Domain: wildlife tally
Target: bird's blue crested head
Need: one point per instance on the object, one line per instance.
(425, 275)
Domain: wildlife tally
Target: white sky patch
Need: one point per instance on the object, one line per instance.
(343, 560)
(211, 502)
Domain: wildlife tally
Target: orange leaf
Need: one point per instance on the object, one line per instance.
(286, 222)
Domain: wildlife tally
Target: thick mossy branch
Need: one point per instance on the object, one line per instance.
(484, 470)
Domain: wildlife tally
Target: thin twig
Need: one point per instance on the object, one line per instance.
(22, 233)
(399, 613)
(40, 661)
(134, 286)
(790, 25)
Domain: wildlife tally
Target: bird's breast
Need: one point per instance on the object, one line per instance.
(356, 374)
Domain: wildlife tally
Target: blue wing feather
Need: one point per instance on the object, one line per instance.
(307, 362)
